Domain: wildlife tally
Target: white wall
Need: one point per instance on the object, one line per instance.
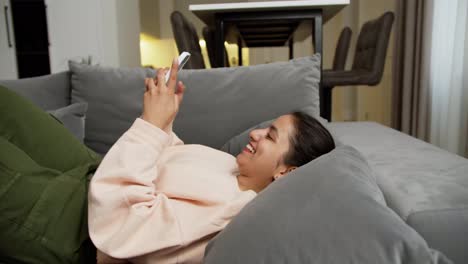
(128, 32)
(109, 46)
(106, 30)
(8, 67)
(72, 31)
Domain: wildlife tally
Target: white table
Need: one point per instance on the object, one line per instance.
(261, 23)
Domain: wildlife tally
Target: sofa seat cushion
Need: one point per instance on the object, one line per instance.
(425, 185)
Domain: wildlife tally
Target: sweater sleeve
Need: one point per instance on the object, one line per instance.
(127, 217)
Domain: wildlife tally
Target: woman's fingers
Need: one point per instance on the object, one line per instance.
(173, 75)
(148, 84)
(180, 87)
(161, 82)
(180, 91)
(155, 79)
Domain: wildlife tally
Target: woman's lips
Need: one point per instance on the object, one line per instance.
(246, 150)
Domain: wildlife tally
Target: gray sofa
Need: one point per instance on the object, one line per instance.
(403, 200)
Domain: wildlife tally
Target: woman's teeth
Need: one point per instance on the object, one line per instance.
(250, 148)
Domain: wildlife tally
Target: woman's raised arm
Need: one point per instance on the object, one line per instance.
(127, 218)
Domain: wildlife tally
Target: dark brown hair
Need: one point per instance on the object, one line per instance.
(309, 141)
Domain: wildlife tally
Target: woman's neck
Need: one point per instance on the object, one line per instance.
(243, 186)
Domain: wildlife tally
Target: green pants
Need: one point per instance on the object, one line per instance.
(44, 176)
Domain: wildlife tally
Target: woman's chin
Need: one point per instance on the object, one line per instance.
(241, 157)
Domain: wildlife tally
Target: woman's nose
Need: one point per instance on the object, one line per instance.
(256, 134)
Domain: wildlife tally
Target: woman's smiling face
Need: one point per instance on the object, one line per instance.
(262, 159)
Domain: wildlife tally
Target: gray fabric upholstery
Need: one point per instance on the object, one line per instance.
(321, 213)
(114, 97)
(223, 102)
(425, 185)
(73, 118)
(47, 92)
(446, 230)
(186, 38)
(219, 103)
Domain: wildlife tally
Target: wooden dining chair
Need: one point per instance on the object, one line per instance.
(186, 38)
(368, 64)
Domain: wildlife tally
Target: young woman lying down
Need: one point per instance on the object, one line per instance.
(155, 200)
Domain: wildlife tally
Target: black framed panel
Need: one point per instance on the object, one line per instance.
(267, 28)
(270, 28)
(31, 37)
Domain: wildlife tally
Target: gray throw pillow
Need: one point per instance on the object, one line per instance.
(114, 97)
(327, 211)
(221, 103)
(73, 118)
(47, 92)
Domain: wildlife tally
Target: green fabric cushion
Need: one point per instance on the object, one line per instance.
(44, 175)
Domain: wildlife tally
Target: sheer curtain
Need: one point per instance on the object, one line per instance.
(448, 75)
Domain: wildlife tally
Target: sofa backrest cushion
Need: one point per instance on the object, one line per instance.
(114, 97)
(221, 103)
(218, 104)
(327, 211)
(48, 92)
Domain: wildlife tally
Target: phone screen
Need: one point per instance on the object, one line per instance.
(183, 58)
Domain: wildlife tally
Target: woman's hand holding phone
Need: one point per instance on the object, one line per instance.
(161, 101)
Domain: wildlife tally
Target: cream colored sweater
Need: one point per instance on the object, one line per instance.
(155, 200)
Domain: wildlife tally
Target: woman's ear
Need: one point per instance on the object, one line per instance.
(284, 172)
(291, 168)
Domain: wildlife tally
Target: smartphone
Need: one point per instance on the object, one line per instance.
(183, 58)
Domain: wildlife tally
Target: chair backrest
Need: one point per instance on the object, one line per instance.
(342, 48)
(371, 47)
(209, 36)
(187, 40)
